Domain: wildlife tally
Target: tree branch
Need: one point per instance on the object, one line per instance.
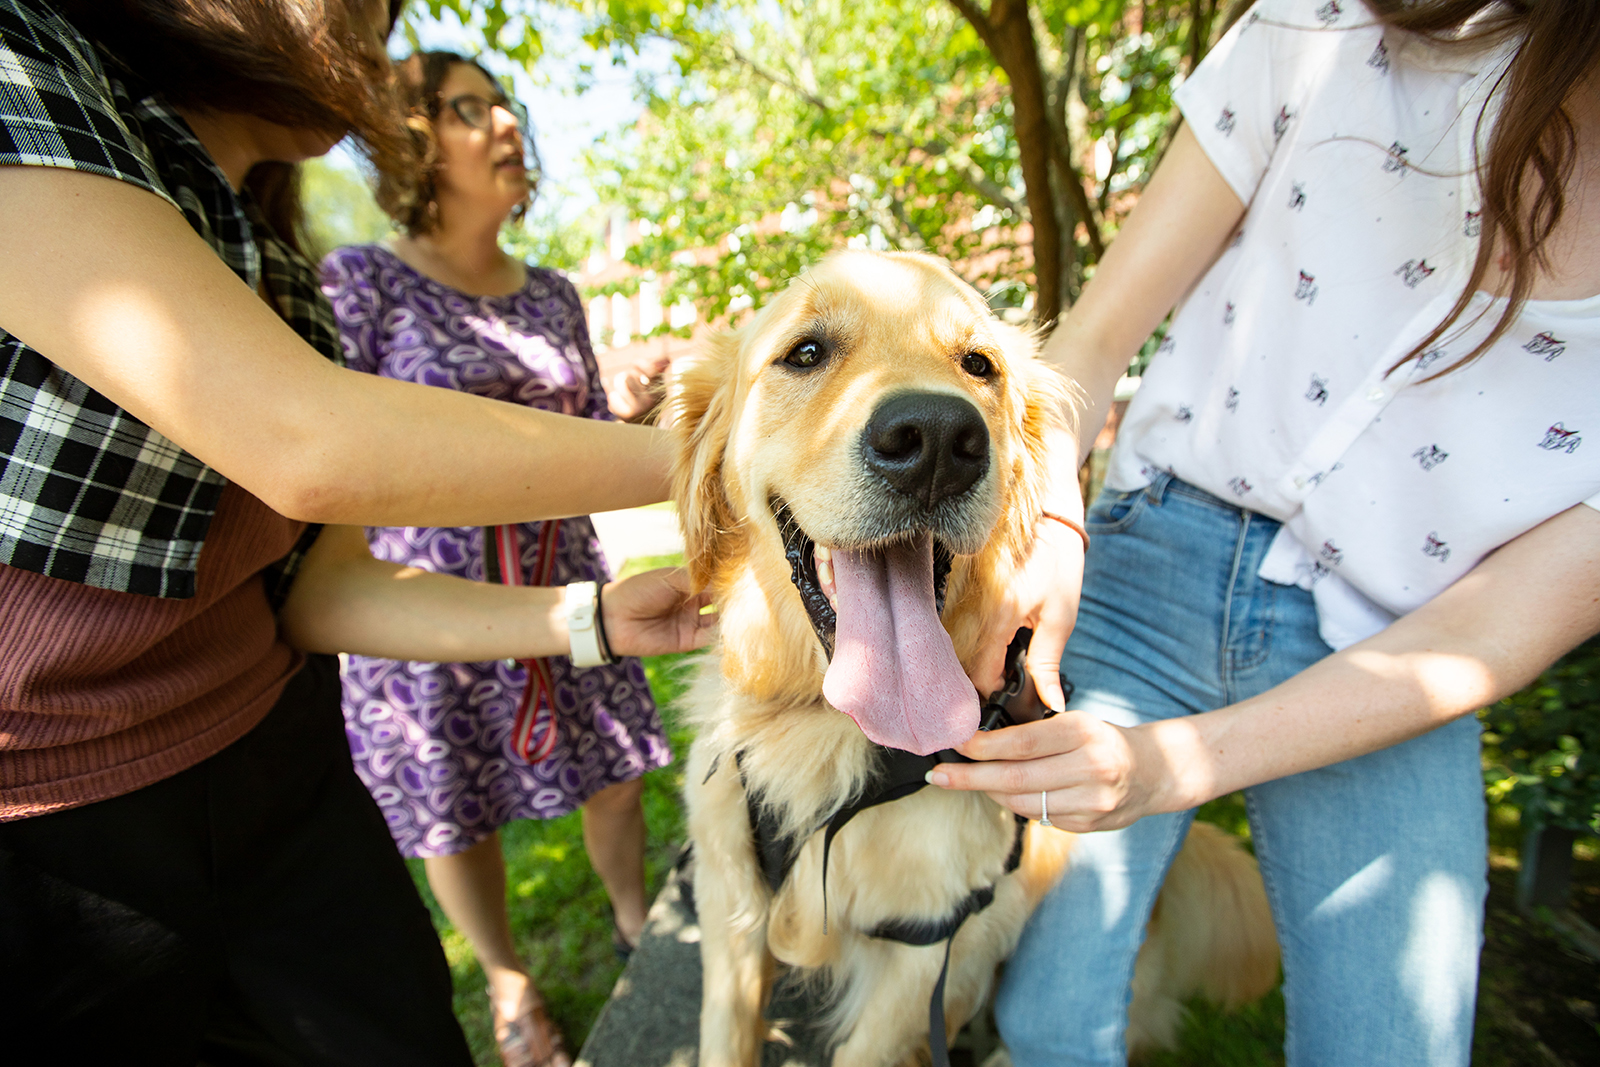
(991, 190)
(979, 19)
(783, 83)
(1007, 29)
(974, 174)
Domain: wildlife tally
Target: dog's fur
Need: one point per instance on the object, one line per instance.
(752, 430)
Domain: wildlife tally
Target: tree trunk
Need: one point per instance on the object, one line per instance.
(1201, 15)
(1546, 875)
(1008, 31)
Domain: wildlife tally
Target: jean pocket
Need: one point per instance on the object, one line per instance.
(1113, 511)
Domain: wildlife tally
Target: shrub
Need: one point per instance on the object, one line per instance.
(1542, 745)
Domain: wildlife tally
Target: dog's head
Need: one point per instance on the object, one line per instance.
(859, 471)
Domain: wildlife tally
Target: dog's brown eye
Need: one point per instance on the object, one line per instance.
(977, 364)
(805, 355)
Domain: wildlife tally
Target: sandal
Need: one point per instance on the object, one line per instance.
(620, 943)
(519, 1038)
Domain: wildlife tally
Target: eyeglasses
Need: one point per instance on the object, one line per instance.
(478, 113)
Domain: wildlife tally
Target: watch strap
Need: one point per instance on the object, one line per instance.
(582, 604)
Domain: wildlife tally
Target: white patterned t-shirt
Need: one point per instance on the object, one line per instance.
(1353, 150)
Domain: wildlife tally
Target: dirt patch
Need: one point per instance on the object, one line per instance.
(1538, 996)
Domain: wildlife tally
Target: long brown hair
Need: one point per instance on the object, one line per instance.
(301, 63)
(1533, 146)
(412, 199)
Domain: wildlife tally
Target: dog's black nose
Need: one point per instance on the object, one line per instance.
(930, 446)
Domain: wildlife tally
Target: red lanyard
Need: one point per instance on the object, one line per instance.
(538, 695)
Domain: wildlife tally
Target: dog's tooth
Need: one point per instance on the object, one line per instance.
(825, 573)
(823, 553)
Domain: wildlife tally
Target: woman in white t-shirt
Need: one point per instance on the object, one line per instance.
(1349, 506)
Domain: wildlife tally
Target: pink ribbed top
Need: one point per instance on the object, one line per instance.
(102, 693)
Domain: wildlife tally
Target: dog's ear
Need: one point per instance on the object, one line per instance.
(699, 405)
(1051, 402)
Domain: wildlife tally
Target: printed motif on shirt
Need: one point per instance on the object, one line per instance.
(1231, 401)
(1547, 345)
(1429, 358)
(1329, 13)
(1560, 439)
(1379, 59)
(1436, 548)
(1473, 225)
(1329, 556)
(1429, 456)
(1297, 196)
(1227, 314)
(1227, 120)
(1306, 289)
(1280, 125)
(1414, 272)
(1397, 161)
(1317, 392)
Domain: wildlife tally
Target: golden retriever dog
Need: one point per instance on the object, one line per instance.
(859, 472)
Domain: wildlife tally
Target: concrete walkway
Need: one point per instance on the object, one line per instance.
(653, 1016)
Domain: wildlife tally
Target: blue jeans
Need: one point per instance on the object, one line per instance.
(1375, 867)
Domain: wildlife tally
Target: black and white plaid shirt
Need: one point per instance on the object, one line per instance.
(88, 493)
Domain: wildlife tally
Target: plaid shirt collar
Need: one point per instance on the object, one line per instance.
(88, 493)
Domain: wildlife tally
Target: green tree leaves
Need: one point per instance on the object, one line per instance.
(1007, 136)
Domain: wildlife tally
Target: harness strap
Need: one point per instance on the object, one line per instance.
(917, 932)
(938, 1044)
(899, 774)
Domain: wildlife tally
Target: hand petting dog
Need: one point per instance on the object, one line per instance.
(656, 613)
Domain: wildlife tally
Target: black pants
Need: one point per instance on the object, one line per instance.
(250, 910)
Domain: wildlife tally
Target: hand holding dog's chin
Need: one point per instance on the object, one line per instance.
(1099, 776)
(654, 613)
(1044, 596)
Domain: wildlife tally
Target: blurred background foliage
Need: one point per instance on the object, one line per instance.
(1008, 138)
(1542, 746)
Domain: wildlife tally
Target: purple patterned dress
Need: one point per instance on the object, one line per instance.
(432, 740)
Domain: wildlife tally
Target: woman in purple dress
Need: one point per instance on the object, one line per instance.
(451, 751)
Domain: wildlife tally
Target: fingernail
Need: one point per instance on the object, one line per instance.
(938, 778)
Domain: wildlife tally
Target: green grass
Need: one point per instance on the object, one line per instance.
(1249, 1037)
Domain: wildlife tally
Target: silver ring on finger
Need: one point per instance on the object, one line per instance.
(1044, 809)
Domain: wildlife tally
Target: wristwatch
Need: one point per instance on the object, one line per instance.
(584, 634)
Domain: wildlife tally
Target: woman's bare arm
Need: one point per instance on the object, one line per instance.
(1486, 636)
(111, 285)
(1173, 235)
(344, 600)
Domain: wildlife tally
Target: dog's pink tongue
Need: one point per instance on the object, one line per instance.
(894, 670)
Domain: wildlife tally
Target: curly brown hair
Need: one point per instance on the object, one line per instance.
(308, 64)
(412, 200)
(1533, 146)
